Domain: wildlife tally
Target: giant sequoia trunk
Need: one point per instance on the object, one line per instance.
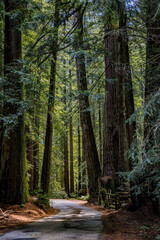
(100, 131)
(71, 158)
(91, 155)
(47, 158)
(127, 103)
(71, 142)
(1, 70)
(30, 158)
(12, 164)
(126, 73)
(79, 160)
(36, 146)
(1, 39)
(122, 96)
(111, 141)
(66, 169)
(36, 123)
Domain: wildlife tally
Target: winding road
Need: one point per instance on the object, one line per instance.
(72, 222)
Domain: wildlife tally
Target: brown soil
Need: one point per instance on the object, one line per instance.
(17, 215)
(125, 225)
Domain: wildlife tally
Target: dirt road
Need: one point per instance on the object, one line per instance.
(72, 222)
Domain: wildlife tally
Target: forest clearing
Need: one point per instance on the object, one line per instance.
(80, 117)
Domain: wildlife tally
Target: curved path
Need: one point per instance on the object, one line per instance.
(72, 222)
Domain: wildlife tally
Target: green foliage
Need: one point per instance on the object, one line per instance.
(85, 198)
(73, 195)
(43, 200)
(144, 227)
(146, 171)
(59, 195)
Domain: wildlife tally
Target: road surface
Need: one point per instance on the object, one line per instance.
(72, 222)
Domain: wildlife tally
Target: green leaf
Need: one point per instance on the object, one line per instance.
(158, 237)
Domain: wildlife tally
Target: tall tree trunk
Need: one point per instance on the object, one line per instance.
(13, 165)
(1, 70)
(36, 165)
(111, 141)
(30, 158)
(66, 167)
(36, 141)
(84, 184)
(1, 39)
(126, 72)
(47, 157)
(128, 90)
(100, 131)
(79, 160)
(93, 112)
(71, 141)
(123, 138)
(91, 155)
(66, 172)
(71, 158)
(123, 163)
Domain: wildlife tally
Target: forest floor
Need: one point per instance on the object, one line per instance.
(127, 225)
(18, 215)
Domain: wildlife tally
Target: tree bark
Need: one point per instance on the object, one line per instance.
(84, 185)
(36, 141)
(66, 172)
(79, 160)
(91, 155)
(1, 39)
(126, 73)
(111, 134)
(100, 132)
(71, 158)
(123, 138)
(1, 70)
(13, 164)
(66, 165)
(47, 158)
(30, 159)
(71, 141)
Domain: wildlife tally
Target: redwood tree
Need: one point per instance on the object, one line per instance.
(111, 130)
(90, 149)
(71, 141)
(12, 163)
(47, 158)
(66, 165)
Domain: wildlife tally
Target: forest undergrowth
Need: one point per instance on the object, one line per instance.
(126, 225)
